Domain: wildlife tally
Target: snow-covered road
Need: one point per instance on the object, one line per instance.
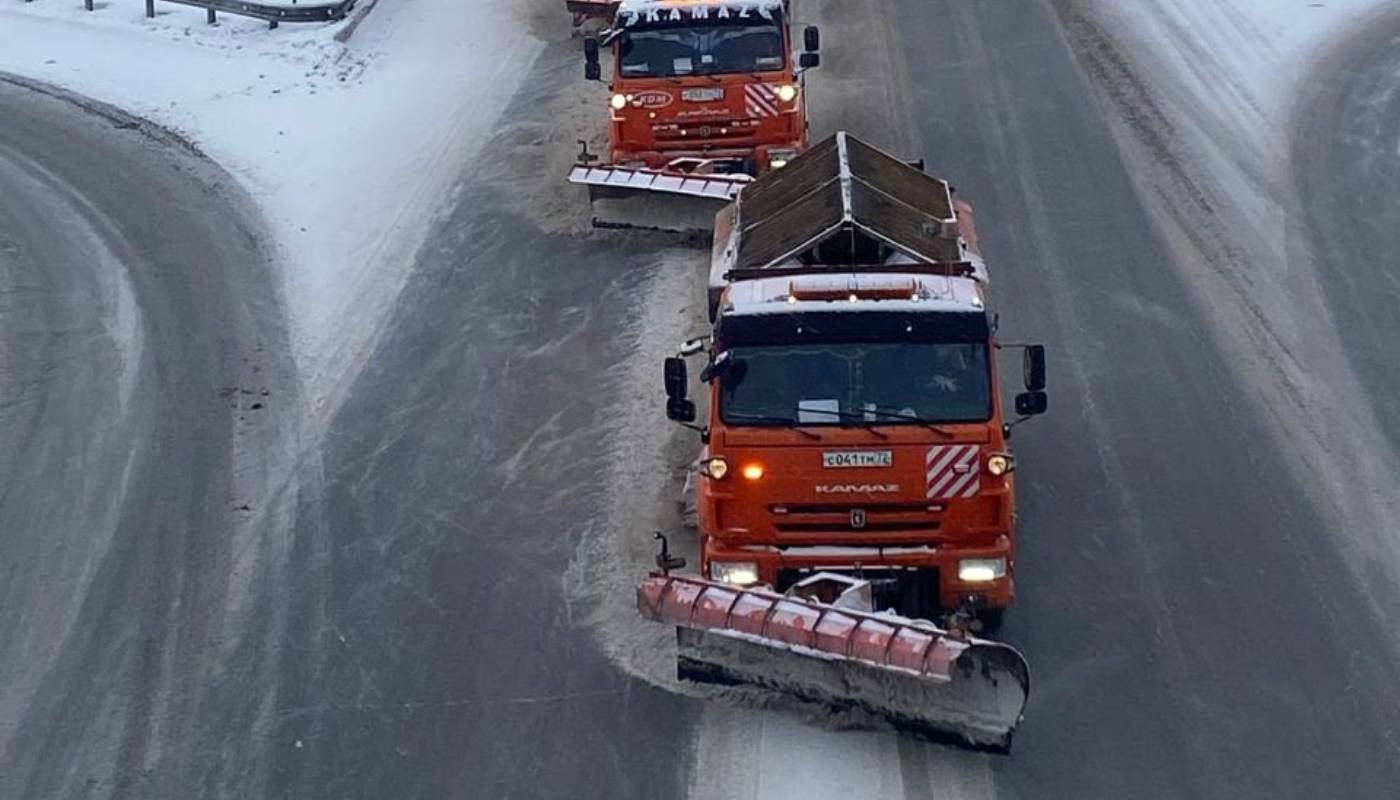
(147, 401)
(437, 603)
(1207, 98)
(350, 149)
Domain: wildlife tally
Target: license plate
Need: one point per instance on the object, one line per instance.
(705, 95)
(857, 458)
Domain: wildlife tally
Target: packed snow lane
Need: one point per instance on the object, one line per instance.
(443, 650)
(145, 382)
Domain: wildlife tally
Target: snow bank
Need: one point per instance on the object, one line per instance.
(1252, 50)
(348, 148)
(1204, 95)
(1225, 72)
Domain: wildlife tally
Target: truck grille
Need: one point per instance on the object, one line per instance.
(848, 519)
(711, 131)
(869, 527)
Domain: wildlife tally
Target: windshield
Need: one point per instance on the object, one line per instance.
(709, 49)
(844, 383)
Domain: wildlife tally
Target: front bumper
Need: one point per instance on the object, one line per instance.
(753, 160)
(942, 559)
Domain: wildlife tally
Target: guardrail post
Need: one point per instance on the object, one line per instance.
(87, 4)
(150, 9)
(272, 24)
(210, 16)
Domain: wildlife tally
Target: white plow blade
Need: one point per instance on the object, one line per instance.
(715, 187)
(656, 199)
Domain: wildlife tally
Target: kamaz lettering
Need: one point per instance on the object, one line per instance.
(863, 488)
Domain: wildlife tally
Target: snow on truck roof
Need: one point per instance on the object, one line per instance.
(704, 6)
(627, 13)
(633, 12)
(896, 291)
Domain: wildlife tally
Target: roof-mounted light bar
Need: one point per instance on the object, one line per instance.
(822, 289)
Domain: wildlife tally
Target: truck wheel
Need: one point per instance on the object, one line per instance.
(918, 595)
(991, 618)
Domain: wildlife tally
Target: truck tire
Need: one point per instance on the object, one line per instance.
(917, 595)
(991, 618)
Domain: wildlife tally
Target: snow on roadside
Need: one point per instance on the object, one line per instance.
(1204, 94)
(348, 148)
(1256, 48)
(1226, 72)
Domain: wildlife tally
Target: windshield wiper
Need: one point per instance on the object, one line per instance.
(846, 414)
(765, 419)
(889, 413)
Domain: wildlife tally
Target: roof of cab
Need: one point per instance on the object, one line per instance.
(911, 292)
(649, 6)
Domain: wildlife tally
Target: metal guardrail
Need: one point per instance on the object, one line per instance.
(311, 12)
(274, 14)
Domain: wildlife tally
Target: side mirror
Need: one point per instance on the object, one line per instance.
(811, 39)
(809, 61)
(592, 70)
(1031, 404)
(1033, 367)
(679, 410)
(677, 380)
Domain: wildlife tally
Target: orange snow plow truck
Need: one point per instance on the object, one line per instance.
(856, 474)
(704, 95)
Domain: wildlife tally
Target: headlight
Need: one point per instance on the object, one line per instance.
(716, 468)
(619, 101)
(752, 471)
(981, 570)
(1000, 464)
(787, 93)
(740, 573)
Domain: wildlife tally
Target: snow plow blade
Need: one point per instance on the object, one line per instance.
(920, 678)
(667, 200)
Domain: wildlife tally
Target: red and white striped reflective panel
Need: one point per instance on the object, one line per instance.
(954, 470)
(761, 100)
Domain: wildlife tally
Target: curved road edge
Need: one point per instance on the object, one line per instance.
(1345, 162)
(141, 539)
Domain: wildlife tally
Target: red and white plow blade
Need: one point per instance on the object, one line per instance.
(915, 675)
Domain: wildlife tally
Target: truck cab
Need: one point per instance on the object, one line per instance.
(855, 419)
(716, 81)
